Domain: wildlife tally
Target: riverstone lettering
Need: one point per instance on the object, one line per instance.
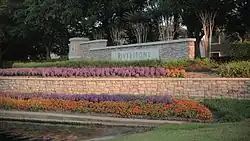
(130, 55)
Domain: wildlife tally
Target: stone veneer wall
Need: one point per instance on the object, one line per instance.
(178, 87)
(173, 49)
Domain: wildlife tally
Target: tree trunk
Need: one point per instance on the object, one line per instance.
(107, 32)
(207, 19)
(1, 60)
(47, 53)
(210, 40)
(209, 47)
(145, 32)
(48, 48)
(168, 35)
(140, 31)
(2, 52)
(197, 44)
(176, 26)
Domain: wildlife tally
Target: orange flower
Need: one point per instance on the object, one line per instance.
(179, 108)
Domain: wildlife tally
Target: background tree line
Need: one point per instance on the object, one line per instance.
(35, 28)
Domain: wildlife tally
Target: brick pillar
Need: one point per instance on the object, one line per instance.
(191, 49)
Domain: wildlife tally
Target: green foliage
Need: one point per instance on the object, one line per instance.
(10, 29)
(6, 64)
(235, 69)
(147, 63)
(38, 28)
(45, 18)
(239, 23)
(197, 65)
(79, 64)
(229, 110)
(240, 50)
(194, 132)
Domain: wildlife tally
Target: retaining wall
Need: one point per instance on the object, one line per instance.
(178, 87)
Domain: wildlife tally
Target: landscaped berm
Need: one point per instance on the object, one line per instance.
(151, 107)
(162, 97)
(125, 70)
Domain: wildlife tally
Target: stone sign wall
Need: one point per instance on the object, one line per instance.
(162, 50)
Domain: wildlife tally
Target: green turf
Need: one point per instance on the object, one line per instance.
(228, 110)
(224, 110)
(238, 131)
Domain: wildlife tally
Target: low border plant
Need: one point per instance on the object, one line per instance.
(94, 72)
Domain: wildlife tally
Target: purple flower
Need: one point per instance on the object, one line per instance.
(86, 72)
(92, 97)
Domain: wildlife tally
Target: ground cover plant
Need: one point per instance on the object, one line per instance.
(228, 110)
(95, 72)
(235, 69)
(154, 107)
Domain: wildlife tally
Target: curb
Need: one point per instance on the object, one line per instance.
(80, 119)
(119, 78)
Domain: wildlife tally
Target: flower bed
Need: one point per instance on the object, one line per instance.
(94, 72)
(91, 98)
(122, 106)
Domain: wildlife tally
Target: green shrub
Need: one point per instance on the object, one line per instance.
(235, 69)
(187, 63)
(79, 64)
(201, 65)
(240, 50)
(192, 65)
(229, 110)
(6, 64)
(197, 65)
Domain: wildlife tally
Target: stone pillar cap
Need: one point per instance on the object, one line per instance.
(78, 39)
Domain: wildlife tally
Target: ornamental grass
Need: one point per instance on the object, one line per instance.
(185, 109)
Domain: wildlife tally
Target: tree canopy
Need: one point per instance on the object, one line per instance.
(36, 28)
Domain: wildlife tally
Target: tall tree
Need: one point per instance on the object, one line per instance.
(207, 12)
(10, 29)
(238, 19)
(111, 14)
(139, 25)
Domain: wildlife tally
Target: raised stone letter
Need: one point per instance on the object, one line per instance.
(140, 55)
(119, 56)
(145, 55)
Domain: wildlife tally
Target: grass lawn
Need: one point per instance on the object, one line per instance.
(238, 131)
(232, 127)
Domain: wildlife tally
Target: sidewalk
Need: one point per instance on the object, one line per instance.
(80, 119)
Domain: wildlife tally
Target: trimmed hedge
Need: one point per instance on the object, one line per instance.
(235, 69)
(240, 50)
(80, 64)
(190, 65)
